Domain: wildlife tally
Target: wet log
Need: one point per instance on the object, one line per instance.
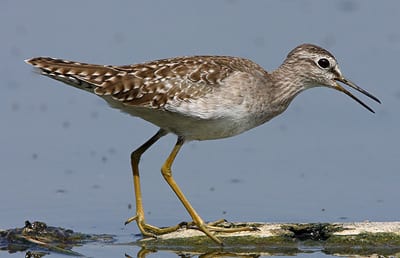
(365, 238)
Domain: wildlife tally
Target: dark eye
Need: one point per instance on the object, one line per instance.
(324, 63)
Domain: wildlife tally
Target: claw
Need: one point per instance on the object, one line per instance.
(130, 220)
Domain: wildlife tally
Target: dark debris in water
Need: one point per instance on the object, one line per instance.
(38, 239)
(312, 231)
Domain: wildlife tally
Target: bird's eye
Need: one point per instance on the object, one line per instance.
(323, 63)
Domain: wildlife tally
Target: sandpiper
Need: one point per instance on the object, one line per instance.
(199, 98)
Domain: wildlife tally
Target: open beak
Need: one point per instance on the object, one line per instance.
(354, 86)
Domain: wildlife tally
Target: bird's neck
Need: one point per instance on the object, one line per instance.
(287, 83)
(278, 90)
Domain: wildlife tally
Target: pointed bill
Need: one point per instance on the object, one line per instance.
(354, 86)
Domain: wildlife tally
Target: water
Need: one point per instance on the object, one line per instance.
(65, 154)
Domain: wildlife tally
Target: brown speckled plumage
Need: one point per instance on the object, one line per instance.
(150, 84)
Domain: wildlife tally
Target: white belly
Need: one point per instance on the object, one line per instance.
(195, 123)
(192, 128)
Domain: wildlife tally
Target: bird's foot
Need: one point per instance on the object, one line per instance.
(221, 225)
(150, 230)
(224, 226)
(207, 228)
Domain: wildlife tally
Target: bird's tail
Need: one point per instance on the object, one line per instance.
(80, 75)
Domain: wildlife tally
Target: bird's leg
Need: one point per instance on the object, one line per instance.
(167, 174)
(145, 229)
(198, 222)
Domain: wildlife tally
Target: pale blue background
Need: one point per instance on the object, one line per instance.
(64, 154)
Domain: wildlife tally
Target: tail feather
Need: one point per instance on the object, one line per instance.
(80, 75)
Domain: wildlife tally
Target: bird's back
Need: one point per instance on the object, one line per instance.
(150, 84)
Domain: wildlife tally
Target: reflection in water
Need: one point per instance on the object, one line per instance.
(317, 250)
(144, 252)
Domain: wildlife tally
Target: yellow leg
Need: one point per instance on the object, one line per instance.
(145, 229)
(197, 220)
(167, 174)
(153, 231)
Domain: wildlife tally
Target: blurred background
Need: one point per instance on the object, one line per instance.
(64, 153)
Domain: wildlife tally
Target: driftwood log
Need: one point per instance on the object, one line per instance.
(373, 239)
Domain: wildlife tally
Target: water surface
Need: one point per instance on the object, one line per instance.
(65, 154)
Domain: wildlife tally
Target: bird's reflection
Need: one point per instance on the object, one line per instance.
(143, 252)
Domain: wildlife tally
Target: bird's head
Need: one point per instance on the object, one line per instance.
(317, 67)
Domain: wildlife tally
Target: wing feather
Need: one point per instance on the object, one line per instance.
(152, 84)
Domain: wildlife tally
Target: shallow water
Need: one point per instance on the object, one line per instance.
(64, 153)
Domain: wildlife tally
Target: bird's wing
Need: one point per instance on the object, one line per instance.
(151, 84)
